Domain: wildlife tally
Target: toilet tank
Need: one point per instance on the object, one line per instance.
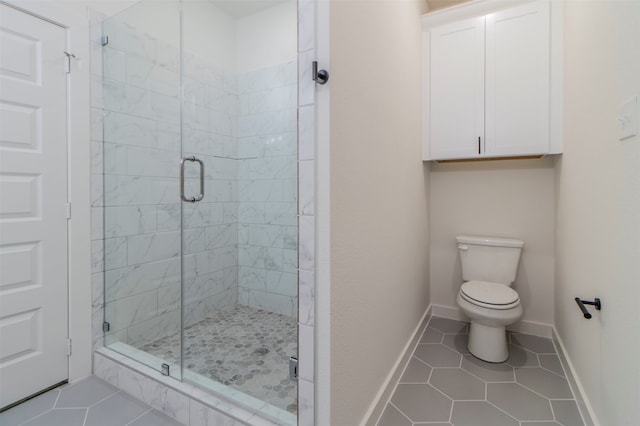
(489, 258)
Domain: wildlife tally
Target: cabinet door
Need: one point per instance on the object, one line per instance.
(456, 84)
(517, 81)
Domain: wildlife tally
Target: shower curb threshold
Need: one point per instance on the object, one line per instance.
(184, 401)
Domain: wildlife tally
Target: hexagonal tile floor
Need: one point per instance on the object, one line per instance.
(88, 402)
(445, 385)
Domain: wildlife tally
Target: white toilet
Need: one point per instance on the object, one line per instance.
(489, 267)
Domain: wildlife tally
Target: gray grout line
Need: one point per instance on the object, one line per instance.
(418, 359)
(136, 418)
(553, 372)
(86, 416)
(103, 399)
(39, 415)
(69, 408)
(430, 374)
(553, 412)
(471, 400)
(490, 403)
(453, 404)
(537, 393)
(447, 396)
(399, 410)
(57, 398)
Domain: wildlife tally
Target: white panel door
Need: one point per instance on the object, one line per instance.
(456, 82)
(33, 196)
(517, 81)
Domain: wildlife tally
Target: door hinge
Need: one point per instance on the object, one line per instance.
(68, 213)
(106, 326)
(68, 347)
(293, 368)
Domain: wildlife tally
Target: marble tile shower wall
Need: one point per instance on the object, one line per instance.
(243, 127)
(140, 110)
(210, 227)
(267, 190)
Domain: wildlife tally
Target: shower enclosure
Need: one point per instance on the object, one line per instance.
(200, 194)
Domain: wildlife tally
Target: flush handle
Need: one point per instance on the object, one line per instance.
(463, 247)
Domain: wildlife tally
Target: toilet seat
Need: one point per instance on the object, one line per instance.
(489, 295)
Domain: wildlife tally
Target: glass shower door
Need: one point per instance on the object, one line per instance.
(141, 153)
(200, 195)
(240, 280)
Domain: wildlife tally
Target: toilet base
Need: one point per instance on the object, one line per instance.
(488, 343)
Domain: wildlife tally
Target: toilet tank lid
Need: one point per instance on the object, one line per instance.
(489, 241)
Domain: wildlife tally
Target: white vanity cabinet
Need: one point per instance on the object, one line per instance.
(488, 84)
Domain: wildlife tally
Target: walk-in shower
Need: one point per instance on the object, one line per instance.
(199, 110)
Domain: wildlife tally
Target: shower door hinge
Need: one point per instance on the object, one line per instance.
(68, 347)
(106, 326)
(164, 369)
(68, 210)
(104, 40)
(293, 368)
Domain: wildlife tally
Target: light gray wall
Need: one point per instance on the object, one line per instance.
(379, 268)
(598, 189)
(507, 198)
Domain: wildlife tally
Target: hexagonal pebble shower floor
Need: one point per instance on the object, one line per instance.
(242, 347)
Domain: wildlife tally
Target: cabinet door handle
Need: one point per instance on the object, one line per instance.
(478, 144)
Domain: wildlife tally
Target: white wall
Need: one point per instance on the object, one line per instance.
(598, 188)
(508, 198)
(209, 33)
(240, 45)
(379, 275)
(264, 39)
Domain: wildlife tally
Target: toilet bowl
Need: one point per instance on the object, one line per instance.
(489, 268)
(490, 307)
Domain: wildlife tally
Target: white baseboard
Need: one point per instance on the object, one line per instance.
(449, 312)
(526, 327)
(534, 328)
(389, 385)
(585, 407)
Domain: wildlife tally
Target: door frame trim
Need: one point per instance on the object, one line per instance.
(76, 25)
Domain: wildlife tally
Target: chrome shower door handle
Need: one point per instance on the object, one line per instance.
(201, 195)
